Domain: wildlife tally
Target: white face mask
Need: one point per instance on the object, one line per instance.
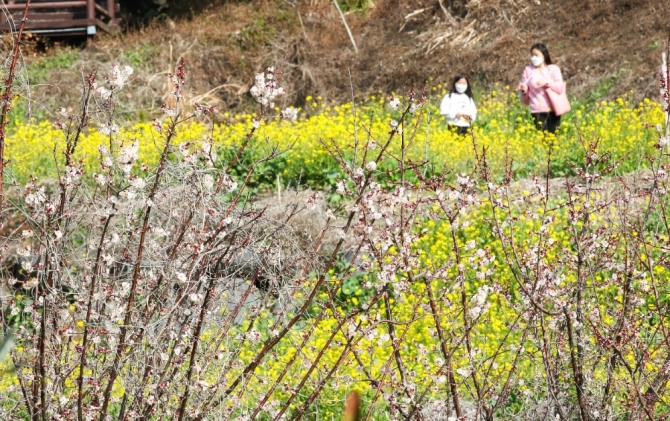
(461, 87)
(536, 60)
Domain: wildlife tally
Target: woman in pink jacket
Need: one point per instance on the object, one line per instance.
(536, 80)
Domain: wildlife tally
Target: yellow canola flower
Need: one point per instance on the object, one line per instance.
(618, 126)
(502, 128)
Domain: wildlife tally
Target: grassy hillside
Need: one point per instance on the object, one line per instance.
(605, 49)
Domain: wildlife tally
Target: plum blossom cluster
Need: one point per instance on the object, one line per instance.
(415, 104)
(387, 242)
(126, 264)
(478, 303)
(290, 114)
(266, 87)
(115, 81)
(394, 103)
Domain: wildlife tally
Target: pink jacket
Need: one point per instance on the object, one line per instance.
(534, 77)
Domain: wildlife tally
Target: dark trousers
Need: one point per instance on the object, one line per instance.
(547, 121)
(458, 129)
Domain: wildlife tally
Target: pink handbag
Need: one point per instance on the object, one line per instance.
(559, 102)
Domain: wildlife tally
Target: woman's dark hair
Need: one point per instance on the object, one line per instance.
(543, 49)
(458, 77)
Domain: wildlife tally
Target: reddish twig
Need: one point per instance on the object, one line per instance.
(7, 99)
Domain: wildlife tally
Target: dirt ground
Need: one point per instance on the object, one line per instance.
(605, 48)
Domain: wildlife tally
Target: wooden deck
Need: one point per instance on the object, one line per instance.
(76, 18)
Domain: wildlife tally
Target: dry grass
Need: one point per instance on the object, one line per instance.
(607, 47)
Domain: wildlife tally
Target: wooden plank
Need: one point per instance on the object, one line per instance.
(61, 16)
(50, 24)
(50, 16)
(51, 5)
(90, 7)
(55, 25)
(103, 11)
(111, 9)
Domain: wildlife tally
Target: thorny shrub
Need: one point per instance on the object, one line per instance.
(164, 291)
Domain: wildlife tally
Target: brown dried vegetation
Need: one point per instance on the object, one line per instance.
(605, 48)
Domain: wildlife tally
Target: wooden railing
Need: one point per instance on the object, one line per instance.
(75, 17)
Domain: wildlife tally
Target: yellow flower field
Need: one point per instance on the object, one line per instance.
(502, 128)
(492, 336)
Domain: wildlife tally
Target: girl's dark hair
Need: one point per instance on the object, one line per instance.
(458, 77)
(543, 49)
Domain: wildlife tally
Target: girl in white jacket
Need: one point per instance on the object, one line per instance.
(458, 106)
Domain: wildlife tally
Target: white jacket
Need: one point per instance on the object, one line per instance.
(456, 103)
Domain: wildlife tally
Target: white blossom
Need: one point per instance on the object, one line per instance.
(208, 152)
(478, 303)
(128, 155)
(120, 75)
(138, 183)
(36, 198)
(108, 129)
(463, 372)
(266, 88)
(290, 114)
(394, 103)
(104, 93)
